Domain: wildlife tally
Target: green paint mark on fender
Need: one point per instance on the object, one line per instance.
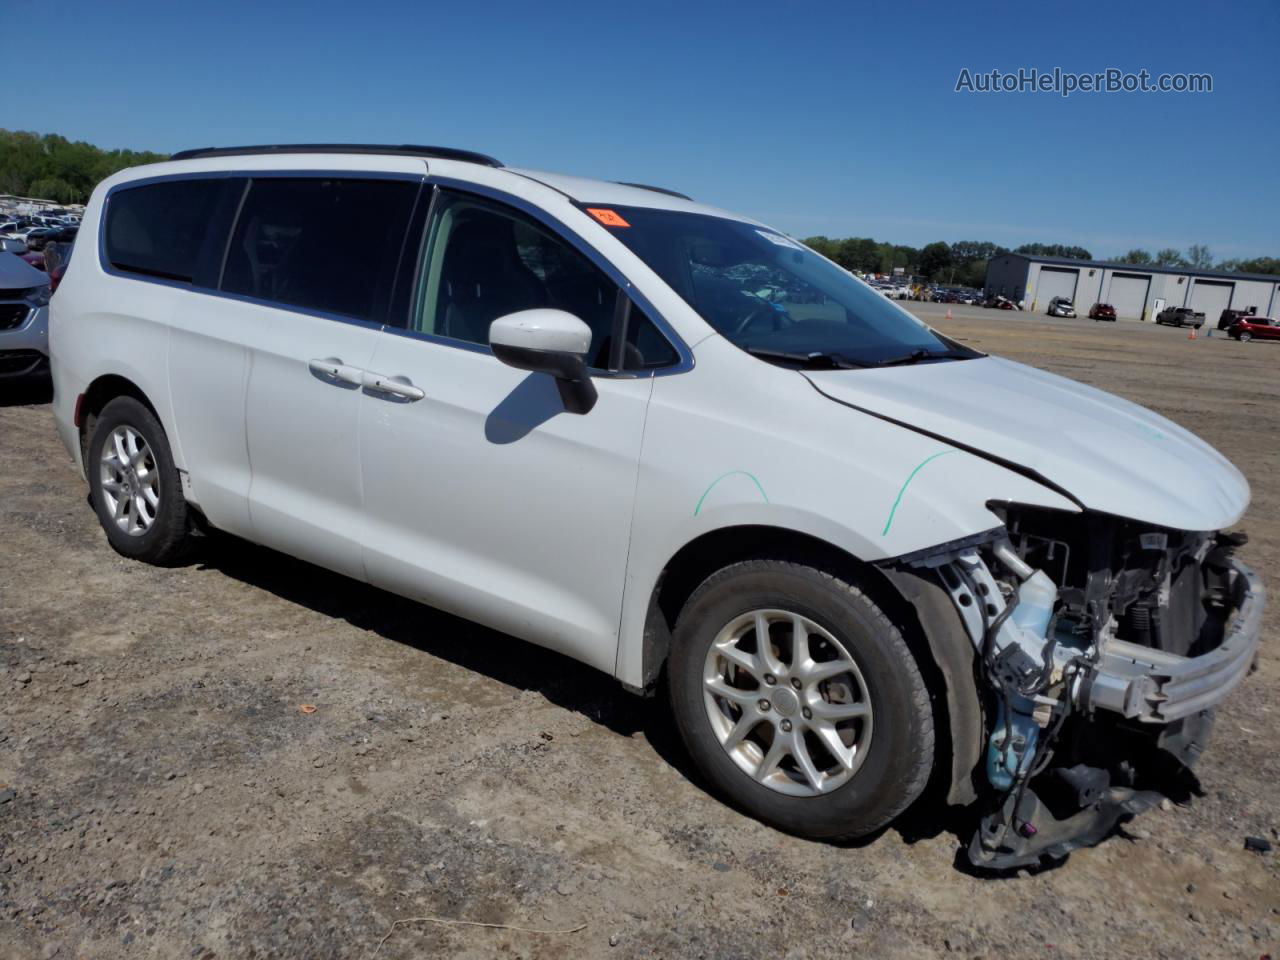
(749, 476)
(911, 476)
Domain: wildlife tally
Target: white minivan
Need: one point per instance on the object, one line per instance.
(863, 563)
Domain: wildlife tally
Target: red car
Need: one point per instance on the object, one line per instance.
(1102, 311)
(1246, 328)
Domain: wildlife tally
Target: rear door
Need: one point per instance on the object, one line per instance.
(309, 307)
(485, 497)
(172, 233)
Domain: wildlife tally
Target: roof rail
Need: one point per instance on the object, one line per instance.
(401, 150)
(645, 186)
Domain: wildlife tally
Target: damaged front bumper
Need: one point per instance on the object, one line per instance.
(1100, 681)
(1153, 686)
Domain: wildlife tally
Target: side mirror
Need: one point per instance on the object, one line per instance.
(548, 341)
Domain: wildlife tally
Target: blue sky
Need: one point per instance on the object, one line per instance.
(838, 119)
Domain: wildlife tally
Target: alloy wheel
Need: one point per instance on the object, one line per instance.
(130, 481)
(787, 702)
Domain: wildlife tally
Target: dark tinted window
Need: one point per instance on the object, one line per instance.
(162, 229)
(288, 249)
(484, 260)
(646, 346)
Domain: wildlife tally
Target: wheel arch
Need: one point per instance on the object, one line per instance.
(99, 393)
(917, 604)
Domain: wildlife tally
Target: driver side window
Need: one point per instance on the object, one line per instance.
(483, 260)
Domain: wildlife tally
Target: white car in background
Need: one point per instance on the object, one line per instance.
(851, 553)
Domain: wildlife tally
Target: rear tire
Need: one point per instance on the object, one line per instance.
(134, 485)
(872, 706)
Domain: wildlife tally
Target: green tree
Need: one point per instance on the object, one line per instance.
(823, 245)
(1269, 265)
(1199, 257)
(1169, 257)
(55, 168)
(53, 188)
(1136, 255)
(935, 260)
(1054, 250)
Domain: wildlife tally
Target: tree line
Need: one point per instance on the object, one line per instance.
(50, 167)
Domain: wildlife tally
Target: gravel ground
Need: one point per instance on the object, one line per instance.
(167, 794)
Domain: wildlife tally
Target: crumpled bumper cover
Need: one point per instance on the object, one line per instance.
(1153, 686)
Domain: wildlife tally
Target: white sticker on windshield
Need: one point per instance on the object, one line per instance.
(779, 239)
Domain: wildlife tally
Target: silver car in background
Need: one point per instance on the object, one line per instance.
(24, 317)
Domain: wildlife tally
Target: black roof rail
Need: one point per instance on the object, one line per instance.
(645, 186)
(400, 150)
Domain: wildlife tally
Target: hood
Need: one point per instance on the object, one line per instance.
(1110, 455)
(17, 274)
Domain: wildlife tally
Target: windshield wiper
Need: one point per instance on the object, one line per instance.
(915, 356)
(814, 360)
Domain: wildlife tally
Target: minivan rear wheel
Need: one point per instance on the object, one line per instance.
(134, 484)
(799, 700)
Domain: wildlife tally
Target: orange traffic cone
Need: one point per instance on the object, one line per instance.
(1191, 334)
(948, 313)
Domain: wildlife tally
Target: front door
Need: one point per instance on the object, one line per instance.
(482, 495)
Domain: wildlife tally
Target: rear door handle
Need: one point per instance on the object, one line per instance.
(397, 386)
(331, 368)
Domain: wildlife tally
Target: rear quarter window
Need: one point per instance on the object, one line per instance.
(165, 229)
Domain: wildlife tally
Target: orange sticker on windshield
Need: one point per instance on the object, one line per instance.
(608, 217)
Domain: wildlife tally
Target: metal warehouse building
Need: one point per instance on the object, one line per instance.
(1137, 291)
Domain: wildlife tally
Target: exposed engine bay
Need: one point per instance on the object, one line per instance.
(1103, 645)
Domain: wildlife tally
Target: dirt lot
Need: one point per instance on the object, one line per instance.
(167, 798)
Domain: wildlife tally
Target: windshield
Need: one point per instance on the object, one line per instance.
(772, 296)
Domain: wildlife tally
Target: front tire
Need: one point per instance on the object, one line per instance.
(824, 730)
(134, 485)
(1244, 337)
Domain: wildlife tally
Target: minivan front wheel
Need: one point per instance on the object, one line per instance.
(134, 484)
(799, 700)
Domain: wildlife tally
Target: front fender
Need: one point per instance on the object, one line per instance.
(785, 456)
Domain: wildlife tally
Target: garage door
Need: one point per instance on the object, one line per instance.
(1128, 294)
(1054, 282)
(1212, 297)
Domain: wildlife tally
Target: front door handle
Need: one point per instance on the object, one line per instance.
(397, 386)
(334, 370)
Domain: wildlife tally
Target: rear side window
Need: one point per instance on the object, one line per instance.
(330, 245)
(162, 229)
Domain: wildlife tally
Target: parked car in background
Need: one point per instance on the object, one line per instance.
(1180, 317)
(37, 238)
(675, 403)
(1229, 317)
(1102, 311)
(1061, 307)
(24, 318)
(1253, 327)
(57, 256)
